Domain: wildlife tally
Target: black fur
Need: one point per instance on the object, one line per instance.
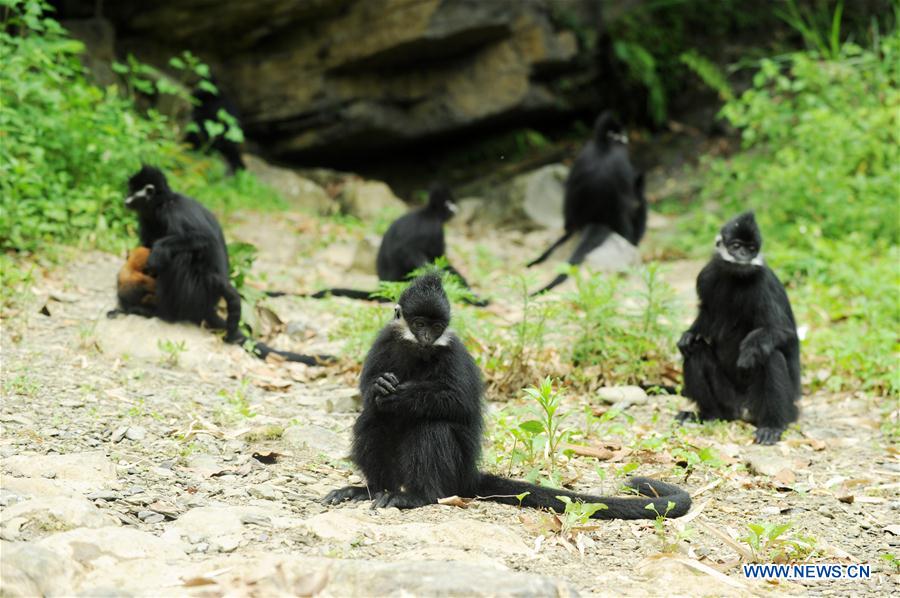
(189, 261)
(742, 353)
(419, 435)
(206, 107)
(604, 194)
(412, 241)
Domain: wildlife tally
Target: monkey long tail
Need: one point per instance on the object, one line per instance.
(350, 294)
(506, 491)
(234, 335)
(551, 249)
(594, 236)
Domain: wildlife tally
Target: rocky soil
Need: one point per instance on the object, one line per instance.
(130, 467)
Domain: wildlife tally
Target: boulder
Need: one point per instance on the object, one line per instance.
(368, 199)
(300, 192)
(339, 78)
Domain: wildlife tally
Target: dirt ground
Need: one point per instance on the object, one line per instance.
(127, 471)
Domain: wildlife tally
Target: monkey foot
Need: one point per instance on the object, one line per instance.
(401, 500)
(767, 435)
(687, 416)
(355, 493)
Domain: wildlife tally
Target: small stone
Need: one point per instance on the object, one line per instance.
(826, 512)
(228, 543)
(201, 547)
(51, 432)
(163, 472)
(265, 491)
(624, 395)
(118, 434)
(256, 520)
(104, 495)
(135, 433)
(49, 475)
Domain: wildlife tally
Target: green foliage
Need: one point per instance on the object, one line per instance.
(768, 544)
(577, 514)
(708, 72)
(820, 166)
(171, 351)
(68, 146)
(643, 69)
(668, 542)
(626, 330)
(548, 401)
(820, 31)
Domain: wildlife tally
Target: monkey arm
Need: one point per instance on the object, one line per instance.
(759, 344)
(424, 399)
(693, 335)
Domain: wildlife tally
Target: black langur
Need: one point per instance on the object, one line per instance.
(412, 241)
(135, 289)
(220, 109)
(603, 194)
(188, 261)
(742, 353)
(419, 435)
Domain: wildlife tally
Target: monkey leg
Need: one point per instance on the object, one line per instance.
(706, 383)
(429, 465)
(770, 399)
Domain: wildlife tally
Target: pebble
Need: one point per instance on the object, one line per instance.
(201, 547)
(49, 475)
(265, 491)
(256, 520)
(118, 434)
(135, 433)
(826, 512)
(151, 517)
(228, 544)
(104, 495)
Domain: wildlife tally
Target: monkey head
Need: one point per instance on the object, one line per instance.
(441, 202)
(146, 189)
(608, 128)
(423, 313)
(739, 242)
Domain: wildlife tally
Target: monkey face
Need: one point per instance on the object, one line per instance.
(739, 241)
(419, 329)
(141, 198)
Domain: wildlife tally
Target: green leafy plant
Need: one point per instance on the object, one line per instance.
(577, 514)
(68, 145)
(238, 399)
(548, 400)
(769, 544)
(668, 540)
(171, 351)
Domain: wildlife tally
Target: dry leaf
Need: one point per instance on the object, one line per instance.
(601, 453)
(785, 477)
(846, 499)
(455, 501)
(267, 457)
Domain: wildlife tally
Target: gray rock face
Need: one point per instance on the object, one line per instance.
(338, 76)
(535, 199)
(299, 191)
(313, 440)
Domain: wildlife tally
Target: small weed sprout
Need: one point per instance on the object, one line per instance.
(549, 401)
(768, 544)
(171, 351)
(668, 542)
(238, 399)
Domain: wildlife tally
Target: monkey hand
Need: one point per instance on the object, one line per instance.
(386, 384)
(753, 352)
(686, 341)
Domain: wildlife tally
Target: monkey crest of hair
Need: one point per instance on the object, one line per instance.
(426, 297)
(419, 436)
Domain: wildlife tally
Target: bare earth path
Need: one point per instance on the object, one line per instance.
(126, 475)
